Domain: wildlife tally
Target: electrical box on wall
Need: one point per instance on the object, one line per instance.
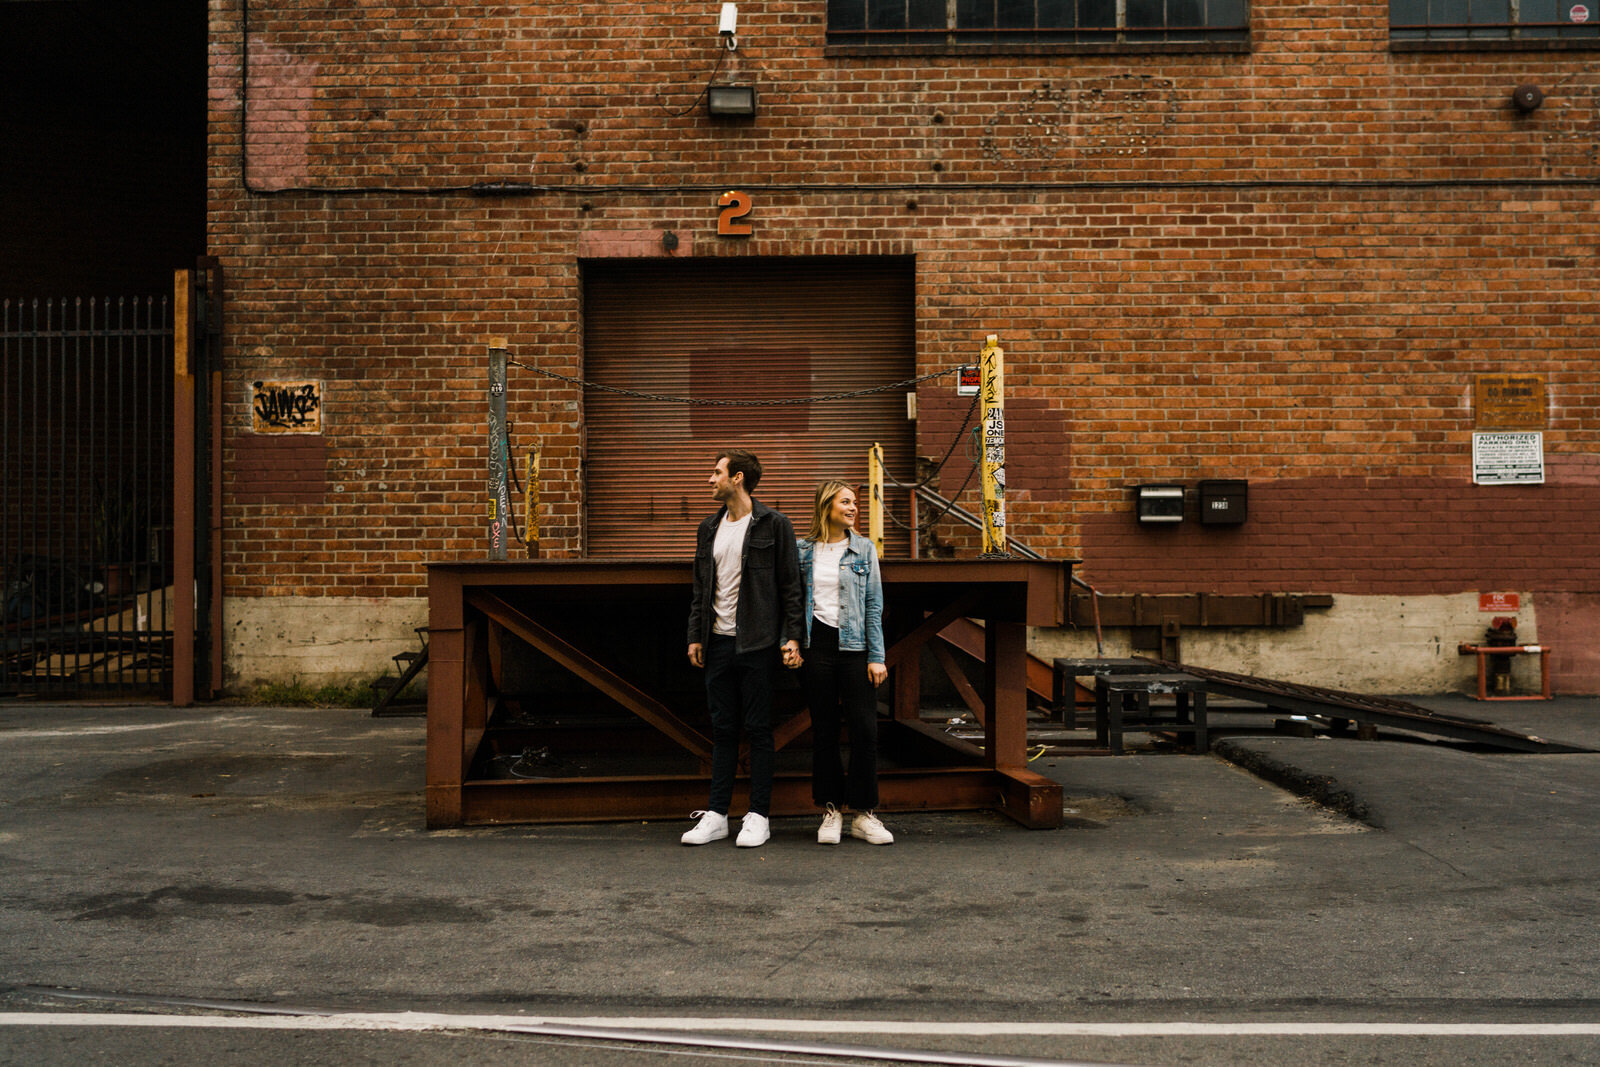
(1224, 501)
(1158, 503)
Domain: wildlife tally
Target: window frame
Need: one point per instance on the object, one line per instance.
(1492, 36)
(947, 40)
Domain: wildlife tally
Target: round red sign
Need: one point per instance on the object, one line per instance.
(1579, 13)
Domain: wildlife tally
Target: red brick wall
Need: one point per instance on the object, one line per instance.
(1286, 266)
(1398, 536)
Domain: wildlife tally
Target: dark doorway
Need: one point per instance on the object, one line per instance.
(103, 128)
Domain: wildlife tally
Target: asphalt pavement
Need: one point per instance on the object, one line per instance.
(256, 885)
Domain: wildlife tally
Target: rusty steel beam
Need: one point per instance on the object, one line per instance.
(592, 671)
(1031, 799)
(785, 732)
(968, 637)
(1026, 797)
(1198, 609)
(447, 758)
(924, 743)
(468, 600)
(184, 437)
(906, 647)
(958, 678)
(1005, 694)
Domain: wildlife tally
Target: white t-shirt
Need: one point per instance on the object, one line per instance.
(825, 562)
(727, 552)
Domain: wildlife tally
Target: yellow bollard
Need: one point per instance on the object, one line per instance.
(875, 496)
(992, 391)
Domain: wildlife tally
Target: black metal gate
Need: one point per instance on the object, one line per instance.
(86, 497)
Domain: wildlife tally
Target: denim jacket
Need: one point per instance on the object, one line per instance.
(860, 596)
(769, 582)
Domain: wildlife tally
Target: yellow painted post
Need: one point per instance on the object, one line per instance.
(530, 502)
(991, 386)
(875, 496)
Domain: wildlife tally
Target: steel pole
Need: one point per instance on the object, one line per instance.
(499, 451)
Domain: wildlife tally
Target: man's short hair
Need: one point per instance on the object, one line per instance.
(741, 461)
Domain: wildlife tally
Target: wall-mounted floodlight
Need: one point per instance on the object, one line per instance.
(731, 101)
(1158, 503)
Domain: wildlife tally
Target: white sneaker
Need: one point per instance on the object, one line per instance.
(832, 826)
(867, 827)
(711, 827)
(754, 832)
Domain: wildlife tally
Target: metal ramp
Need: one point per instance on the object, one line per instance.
(1339, 705)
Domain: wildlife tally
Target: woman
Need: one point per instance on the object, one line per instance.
(843, 663)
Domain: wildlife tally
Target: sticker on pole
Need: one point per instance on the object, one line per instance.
(1579, 13)
(967, 380)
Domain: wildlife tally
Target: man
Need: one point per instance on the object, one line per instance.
(747, 603)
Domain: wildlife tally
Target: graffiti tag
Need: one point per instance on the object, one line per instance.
(286, 407)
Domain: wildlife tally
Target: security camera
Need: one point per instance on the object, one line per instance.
(728, 24)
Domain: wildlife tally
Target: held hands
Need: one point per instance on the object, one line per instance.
(791, 654)
(876, 673)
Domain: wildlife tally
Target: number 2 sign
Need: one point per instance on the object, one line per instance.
(735, 205)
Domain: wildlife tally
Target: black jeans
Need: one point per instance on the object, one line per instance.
(839, 691)
(739, 693)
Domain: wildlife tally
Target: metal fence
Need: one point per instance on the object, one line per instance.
(86, 510)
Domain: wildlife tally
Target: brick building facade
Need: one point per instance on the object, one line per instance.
(1286, 247)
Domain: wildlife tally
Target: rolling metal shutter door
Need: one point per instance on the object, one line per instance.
(747, 331)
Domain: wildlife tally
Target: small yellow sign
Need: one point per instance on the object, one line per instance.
(286, 407)
(1509, 402)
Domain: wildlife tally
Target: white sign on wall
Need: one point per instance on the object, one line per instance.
(1508, 458)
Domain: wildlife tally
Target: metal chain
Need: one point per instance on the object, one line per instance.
(948, 453)
(705, 402)
(928, 524)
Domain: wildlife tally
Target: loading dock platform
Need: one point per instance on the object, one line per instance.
(619, 626)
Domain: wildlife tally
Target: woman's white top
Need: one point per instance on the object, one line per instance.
(825, 581)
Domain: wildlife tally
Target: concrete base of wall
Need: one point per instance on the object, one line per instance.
(1367, 644)
(316, 640)
(1364, 644)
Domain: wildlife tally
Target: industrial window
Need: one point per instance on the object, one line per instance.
(1007, 25)
(1468, 23)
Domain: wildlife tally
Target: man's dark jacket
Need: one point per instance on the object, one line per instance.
(771, 601)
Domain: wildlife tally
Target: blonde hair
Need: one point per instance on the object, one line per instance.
(827, 493)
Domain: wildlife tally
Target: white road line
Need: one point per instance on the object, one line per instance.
(115, 728)
(532, 1023)
(85, 731)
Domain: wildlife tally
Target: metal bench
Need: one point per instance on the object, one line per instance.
(1066, 670)
(1121, 701)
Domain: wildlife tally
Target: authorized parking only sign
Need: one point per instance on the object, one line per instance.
(1508, 458)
